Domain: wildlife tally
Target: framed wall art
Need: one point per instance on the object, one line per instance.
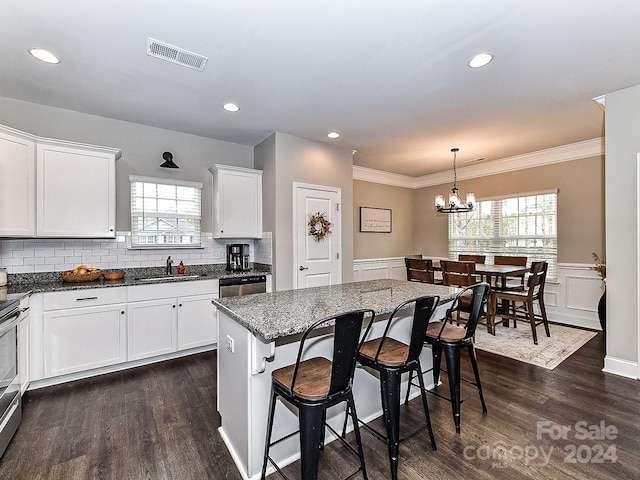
(375, 219)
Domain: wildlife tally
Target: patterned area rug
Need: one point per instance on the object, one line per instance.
(517, 343)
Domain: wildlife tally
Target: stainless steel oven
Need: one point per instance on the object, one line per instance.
(10, 402)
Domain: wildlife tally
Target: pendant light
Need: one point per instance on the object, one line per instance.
(455, 204)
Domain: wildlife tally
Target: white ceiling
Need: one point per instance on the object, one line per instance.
(391, 77)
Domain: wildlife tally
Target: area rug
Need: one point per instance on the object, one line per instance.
(517, 343)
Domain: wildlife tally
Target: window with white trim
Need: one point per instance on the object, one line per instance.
(165, 212)
(522, 225)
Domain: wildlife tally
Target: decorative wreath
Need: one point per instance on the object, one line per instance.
(319, 226)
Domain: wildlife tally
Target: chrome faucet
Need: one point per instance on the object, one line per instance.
(167, 269)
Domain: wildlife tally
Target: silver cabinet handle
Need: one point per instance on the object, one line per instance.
(303, 268)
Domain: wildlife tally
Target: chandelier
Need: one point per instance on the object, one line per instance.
(455, 204)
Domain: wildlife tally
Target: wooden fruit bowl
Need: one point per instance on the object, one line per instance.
(115, 275)
(69, 276)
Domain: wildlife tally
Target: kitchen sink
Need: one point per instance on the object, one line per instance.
(168, 278)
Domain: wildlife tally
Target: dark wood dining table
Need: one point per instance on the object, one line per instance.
(494, 272)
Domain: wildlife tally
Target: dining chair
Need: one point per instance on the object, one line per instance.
(472, 258)
(512, 283)
(463, 274)
(451, 340)
(316, 384)
(521, 303)
(420, 270)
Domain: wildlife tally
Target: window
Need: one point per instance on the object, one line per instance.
(165, 212)
(524, 225)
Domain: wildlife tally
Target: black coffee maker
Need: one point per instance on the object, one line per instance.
(238, 257)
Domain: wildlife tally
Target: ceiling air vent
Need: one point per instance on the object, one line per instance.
(175, 55)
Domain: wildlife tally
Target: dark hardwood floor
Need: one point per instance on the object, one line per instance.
(159, 422)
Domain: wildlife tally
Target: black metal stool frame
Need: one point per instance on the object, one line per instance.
(390, 378)
(452, 354)
(312, 414)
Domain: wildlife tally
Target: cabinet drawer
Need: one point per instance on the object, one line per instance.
(174, 289)
(88, 297)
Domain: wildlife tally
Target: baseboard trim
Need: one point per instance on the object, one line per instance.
(621, 367)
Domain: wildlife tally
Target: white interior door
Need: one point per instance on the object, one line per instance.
(316, 259)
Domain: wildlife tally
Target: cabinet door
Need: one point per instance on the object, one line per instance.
(76, 193)
(17, 186)
(237, 203)
(197, 321)
(83, 338)
(152, 328)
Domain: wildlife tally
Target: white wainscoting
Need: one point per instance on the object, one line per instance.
(571, 299)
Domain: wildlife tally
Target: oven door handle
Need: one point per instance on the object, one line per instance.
(9, 322)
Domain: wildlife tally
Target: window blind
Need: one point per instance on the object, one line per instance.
(523, 225)
(165, 213)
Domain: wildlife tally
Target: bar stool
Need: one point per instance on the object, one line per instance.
(443, 336)
(315, 384)
(391, 358)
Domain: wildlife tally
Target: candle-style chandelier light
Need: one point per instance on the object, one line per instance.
(455, 204)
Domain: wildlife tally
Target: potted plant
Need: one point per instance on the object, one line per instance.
(601, 268)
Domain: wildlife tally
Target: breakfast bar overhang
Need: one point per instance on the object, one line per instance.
(261, 333)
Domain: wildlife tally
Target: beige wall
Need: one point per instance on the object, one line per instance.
(376, 245)
(286, 159)
(580, 185)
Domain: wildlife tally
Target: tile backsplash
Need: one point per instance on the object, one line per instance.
(33, 255)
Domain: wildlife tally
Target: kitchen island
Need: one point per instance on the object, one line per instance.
(260, 333)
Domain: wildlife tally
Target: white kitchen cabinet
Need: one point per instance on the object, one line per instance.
(23, 345)
(84, 329)
(237, 202)
(197, 321)
(17, 183)
(167, 317)
(55, 188)
(76, 190)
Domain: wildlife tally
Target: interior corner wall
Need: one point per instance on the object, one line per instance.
(142, 147)
(304, 161)
(264, 157)
(379, 245)
(622, 147)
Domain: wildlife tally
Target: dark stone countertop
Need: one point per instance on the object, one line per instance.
(25, 283)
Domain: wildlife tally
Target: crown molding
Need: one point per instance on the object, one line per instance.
(565, 153)
(386, 178)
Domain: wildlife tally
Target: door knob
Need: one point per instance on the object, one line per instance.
(303, 268)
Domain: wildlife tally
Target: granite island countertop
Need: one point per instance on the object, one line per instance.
(52, 282)
(279, 314)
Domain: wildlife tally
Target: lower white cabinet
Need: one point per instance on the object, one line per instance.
(197, 321)
(86, 329)
(151, 328)
(165, 318)
(84, 338)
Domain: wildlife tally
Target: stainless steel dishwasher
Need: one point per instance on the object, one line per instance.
(239, 286)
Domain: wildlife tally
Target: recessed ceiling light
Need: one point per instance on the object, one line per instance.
(480, 60)
(231, 107)
(44, 55)
(333, 134)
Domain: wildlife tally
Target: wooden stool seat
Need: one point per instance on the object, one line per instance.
(451, 333)
(313, 381)
(392, 354)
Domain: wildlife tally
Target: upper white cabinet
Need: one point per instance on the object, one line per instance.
(54, 188)
(237, 202)
(17, 184)
(76, 191)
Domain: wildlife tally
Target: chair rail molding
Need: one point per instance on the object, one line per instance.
(571, 299)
